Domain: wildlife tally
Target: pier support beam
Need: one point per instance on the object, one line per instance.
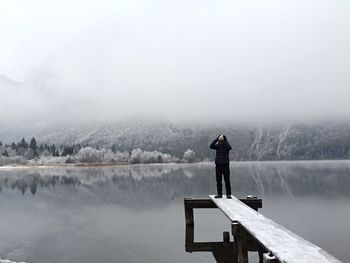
(222, 251)
(240, 243)
(188, 212)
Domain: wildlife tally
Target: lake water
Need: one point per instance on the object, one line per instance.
(136, 214)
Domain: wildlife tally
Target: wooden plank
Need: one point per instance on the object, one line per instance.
(192, 246)
(208, 203)
(199, 203)
(287, 246)
(205, 246)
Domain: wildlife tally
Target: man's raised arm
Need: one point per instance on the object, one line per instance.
(213, 144)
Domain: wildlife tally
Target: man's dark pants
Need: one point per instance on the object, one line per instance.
(223, 169)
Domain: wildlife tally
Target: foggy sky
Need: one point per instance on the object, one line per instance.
(177, 60)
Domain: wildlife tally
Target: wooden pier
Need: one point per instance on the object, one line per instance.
(251, 231)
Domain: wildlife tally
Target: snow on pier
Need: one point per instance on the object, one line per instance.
(284, 245)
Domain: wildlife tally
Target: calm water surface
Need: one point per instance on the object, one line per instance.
(135, 213)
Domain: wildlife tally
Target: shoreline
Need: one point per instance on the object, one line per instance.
(82, 165)
(58, 165)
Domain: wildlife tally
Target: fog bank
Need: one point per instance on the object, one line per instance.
(174, 60)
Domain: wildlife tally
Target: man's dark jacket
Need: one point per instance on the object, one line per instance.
(222, 151)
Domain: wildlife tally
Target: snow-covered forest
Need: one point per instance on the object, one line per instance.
(143, 142)
(45, 154)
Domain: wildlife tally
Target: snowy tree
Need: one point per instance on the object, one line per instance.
(5, 153)
(135, 156)
(23, 144)
(139, 156)
(121, 157)
(90, 155)
(33, 146)
(67, 150)
(52, 149)
(159, 159)
(189, 156)
(46, 153)
(29, 154)
(13, 146)
(114, 149)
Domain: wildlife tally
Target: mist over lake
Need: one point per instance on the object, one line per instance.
(135, 213)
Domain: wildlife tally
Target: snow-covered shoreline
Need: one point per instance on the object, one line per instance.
(82, 165)
(9, 261)
(46, 166)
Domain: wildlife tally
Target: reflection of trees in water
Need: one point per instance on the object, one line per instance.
(169, 182)
(31, 182)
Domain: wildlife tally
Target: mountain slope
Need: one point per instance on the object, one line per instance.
(289, 142)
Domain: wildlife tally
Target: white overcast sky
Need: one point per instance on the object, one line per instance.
(175, 59)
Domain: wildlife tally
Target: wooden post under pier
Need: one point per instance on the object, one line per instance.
(252, 232)
(222, 251)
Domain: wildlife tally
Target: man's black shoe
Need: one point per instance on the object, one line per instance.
(218, 196)
(229, 197)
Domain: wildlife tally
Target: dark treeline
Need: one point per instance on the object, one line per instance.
(33, 150)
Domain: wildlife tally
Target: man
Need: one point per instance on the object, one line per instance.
(222, 162)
